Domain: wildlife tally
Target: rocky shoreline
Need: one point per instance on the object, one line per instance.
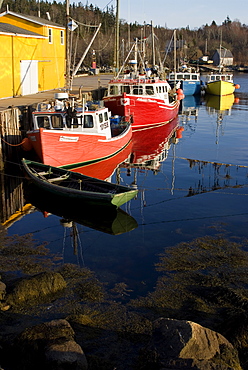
(60, 317)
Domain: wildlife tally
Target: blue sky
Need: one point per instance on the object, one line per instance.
(177, 13)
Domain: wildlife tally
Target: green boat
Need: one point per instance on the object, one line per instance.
(76, 187)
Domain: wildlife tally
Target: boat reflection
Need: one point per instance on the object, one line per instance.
(189, 107)
(105, 219)
(151, 145)
(220, 106)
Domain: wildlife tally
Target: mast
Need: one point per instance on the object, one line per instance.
(116, 54)
(175, 52)
(67, 45)
(86, 51)
(153, 47)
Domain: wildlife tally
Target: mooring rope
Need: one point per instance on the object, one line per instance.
(13, 144)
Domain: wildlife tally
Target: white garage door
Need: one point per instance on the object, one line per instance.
(29, 77)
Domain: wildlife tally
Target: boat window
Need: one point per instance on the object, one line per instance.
(57, 121)
(137, 90)
(180, 77)
(113, 89)
(88, 121)
(100, 118)
(105, 116)
(149, 90)
(187, 77)
(172, 77)
(217, 78)
(43, 122)
(194, 77)
(160, 89)
(212, 78)
(228, 78)
(125, 89)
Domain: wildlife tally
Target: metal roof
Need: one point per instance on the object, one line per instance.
(9, 28)
(32, 18)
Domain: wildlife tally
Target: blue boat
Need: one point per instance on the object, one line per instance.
(186, 80)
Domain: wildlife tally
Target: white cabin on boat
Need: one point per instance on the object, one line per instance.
(140, 86)
(219, 77)
(95, 120)
(186, 76)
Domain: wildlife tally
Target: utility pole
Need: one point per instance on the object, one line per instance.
(68, 62)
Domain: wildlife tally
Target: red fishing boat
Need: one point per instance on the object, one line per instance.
(72, 137)
(148, 101)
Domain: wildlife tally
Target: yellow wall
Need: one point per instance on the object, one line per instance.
(6, 78)
(50, 57)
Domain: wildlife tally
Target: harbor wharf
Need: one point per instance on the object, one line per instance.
(84, 82)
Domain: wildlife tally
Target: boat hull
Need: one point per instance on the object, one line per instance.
(220, 88)
(102, 170)
(63, 148)
(144, 111)
(75, 187)
(191, 87)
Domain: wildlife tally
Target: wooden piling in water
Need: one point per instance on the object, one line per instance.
(10, 134)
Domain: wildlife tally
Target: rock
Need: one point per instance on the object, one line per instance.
(36, 287)
(2, 291)
(67, 355)
(51, 345)
(179, 344)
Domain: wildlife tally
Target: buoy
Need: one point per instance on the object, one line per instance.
(236, 100)
(237, 86)
(179, 91)
(26, 144)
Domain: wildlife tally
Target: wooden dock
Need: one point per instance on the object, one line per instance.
(10, 134)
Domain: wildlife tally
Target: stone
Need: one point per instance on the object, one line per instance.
(52, 344)
(2, 291)
(67, 354)
(36, 287)
(180, 344)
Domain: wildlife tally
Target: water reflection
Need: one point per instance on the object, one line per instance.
(151, 145)
(219, 106)
(12, 199)
(105, 219)
(189, 107)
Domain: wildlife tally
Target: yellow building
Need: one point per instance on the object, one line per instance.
(32, 55)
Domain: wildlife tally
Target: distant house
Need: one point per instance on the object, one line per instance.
(222, 57)
(32, 55)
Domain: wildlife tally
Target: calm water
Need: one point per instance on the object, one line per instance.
(185, 196)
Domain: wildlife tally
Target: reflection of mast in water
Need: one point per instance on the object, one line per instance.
(219, 176)
(75, 239)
